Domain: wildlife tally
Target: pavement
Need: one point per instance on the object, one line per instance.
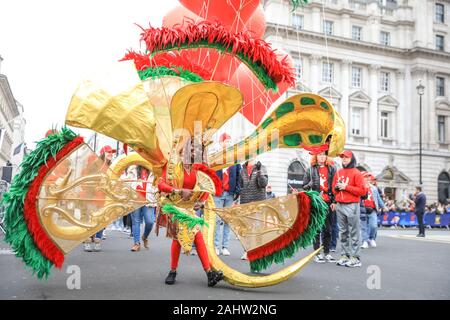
(400, 267)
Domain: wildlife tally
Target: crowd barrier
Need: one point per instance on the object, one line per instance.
(409, 219)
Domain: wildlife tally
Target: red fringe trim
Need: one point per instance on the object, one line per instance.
(212, 174)
(170, 60)
(258, 50)
(48, 249)
(299, 226)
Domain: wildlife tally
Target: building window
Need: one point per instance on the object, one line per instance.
(297, 21)
(440, 13)
(328, 27)
(384, 121)
(439, 42)
(356, 122)
(385, 81)
(441, 129)
(385, 38)
(356, 33)
(327, 72)
(356, 77)
(440, 86)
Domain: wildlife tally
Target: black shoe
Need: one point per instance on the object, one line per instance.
(421, 235)
(171, 277)
(214, 277)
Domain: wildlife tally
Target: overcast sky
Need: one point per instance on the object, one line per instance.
(49, 46)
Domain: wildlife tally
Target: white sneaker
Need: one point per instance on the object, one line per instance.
(329, 258)
(97, 246)
(354, 262)
(319, 258)
(365, 245)
(225, 252)
(88, 247)
(218, 251)
(372, 243)
(244, 256)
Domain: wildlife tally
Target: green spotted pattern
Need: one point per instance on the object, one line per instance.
(324, 105)
(314, 139)
(292, 140)
(307, 101)
(266, 123)
(283, 109)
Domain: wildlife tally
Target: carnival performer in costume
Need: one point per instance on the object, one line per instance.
(181, 185)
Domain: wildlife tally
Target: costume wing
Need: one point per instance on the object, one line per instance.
(272, 231)
(61, 196)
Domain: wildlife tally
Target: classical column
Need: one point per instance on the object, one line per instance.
(430, 119)
(402, 122)
(345, 84)
(373, 107)
(374, 25)
(315, 72)
(345, 26)
(316, 19)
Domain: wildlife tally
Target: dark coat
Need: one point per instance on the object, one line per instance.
(233, 178)
(253, 188)
(420, 201)
(311, 180)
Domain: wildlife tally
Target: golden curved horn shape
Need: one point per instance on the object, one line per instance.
(240, 279)
(304, 120)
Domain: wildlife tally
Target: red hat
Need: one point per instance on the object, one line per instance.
(315, 150)
(224, 136)
(346, 153)
(369, 175)
(106, 149)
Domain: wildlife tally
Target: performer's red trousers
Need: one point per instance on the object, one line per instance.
(201, 250)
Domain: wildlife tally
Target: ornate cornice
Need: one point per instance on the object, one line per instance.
(291, 33)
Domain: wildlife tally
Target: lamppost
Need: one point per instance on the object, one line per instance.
(420, 90)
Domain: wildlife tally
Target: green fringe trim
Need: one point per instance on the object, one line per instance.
(165, 71)
(257, 68)
(296, 3)
(17, 234)
(182, 217)
(319, 210)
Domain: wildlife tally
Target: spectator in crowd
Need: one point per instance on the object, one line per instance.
(419, 203)
(106, 155)
(253, 180)
(319, 178)
(373, 203)
(269, 193)
(349, 187)
(231, 189)
(334, 233)
(145, 213)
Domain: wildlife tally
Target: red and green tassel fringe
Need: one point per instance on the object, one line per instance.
(182, 217)
(24, 232)
(173, 71)
(310, 220)
(254, 52)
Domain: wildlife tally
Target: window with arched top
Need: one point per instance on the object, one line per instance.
(296, 172)
(443, 187)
